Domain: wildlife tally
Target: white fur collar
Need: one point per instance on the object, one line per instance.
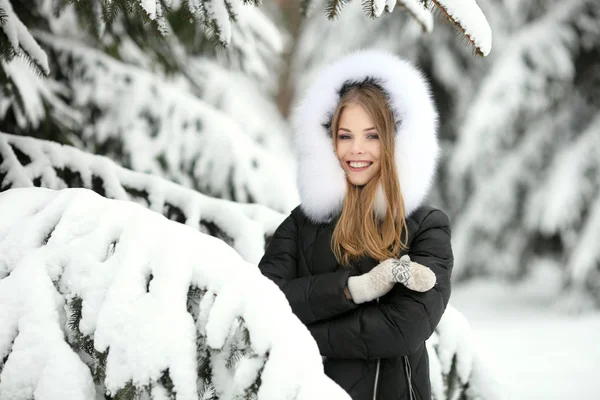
(321, 180)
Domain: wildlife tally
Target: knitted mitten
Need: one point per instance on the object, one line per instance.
(413, 275)
(381, 279)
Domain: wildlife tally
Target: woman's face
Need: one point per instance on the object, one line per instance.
(358, 147)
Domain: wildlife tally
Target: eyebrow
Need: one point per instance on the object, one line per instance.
(348, 130)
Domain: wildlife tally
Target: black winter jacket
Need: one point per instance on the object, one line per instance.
(372, 350)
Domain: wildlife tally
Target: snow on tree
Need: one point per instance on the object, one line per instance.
(567, 206)
(190, 141)
(240, 99)
(150, 306)
(534, 110)
(417, 10)
(18, 40)
(464, 14)
(27, 162)
(28, 95)
(461, 368)
(469, 18)
(216, 17)
(149, 124)
(107, 297)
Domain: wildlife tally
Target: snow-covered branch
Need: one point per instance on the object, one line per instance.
(536, 64)
(19, 37)
(148, 123)
(469, 19)
(248, 105)
(26, 162)
(572, 166)
(31, 98)
(157, 307)
(528, 152)
(417, 10)
(255, 47)
(153, 307)
(465, 14)
(460, 368)
(485, 242)
(573, 213)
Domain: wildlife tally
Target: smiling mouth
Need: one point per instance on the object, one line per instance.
(358, 166)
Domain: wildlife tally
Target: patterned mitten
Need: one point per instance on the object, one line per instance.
(381, 279)
(413, 275)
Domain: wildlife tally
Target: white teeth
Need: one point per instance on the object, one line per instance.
(359, 164)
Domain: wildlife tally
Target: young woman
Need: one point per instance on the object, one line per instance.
(365, 266)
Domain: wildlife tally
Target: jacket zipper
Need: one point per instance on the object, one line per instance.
(408, 372)
(376, 373)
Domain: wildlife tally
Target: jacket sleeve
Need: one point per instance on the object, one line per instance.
(403, 319)
(312, 298)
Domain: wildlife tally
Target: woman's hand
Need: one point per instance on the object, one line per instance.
(381, 279)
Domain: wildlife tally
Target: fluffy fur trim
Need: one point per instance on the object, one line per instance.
(321, 179)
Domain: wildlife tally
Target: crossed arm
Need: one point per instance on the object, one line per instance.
(396, 325)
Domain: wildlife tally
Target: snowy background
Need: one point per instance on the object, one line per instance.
(183, 110)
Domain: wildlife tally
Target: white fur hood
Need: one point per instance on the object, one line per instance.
(321, 179)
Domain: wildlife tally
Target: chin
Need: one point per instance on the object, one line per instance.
(359, 182)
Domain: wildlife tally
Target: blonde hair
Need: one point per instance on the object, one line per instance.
(358, 232)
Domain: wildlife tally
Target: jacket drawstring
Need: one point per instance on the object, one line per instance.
(376, 379)
(411, 391)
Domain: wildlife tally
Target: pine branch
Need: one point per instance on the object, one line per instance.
(230, 11)
(334, 8)
(471, 23)
(246, 336)
(179, 203)
(7, 52)
(75, 307)
(110, 11)
(167, 383)
(34, 65)
(126, 393)
(212, 24)
(207, 392)
(22, 99)
(83, 343)
(251, 392)
(86, 12)
(3, 16)
(234, 357)
(15, 40)
(368, 7)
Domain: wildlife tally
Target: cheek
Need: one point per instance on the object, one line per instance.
(376, 151)
(340, 150)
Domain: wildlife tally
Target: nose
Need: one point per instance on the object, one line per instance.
(357, 147)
